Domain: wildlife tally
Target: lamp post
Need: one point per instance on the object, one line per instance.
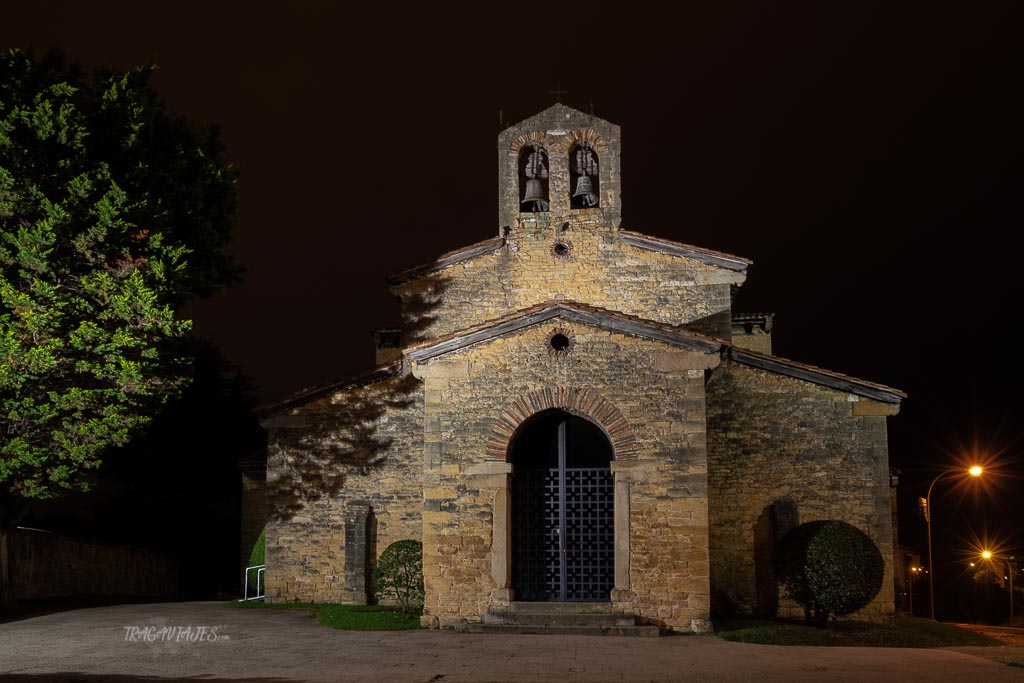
(974, 471)
(1010, 569)
(910, 590)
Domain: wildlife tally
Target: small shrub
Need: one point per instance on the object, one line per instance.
(256, 557)
(829, 568)
(399, 575)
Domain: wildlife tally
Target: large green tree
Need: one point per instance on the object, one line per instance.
(114, 213)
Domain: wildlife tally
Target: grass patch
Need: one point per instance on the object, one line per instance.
(345, 617)
(906, 632)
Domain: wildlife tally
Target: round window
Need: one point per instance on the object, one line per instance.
(560, 342)
(561, 248)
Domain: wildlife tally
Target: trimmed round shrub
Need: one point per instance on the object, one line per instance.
(829, 568)
(399, 575)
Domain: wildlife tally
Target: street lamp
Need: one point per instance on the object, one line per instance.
(1010, 569)
(914, 573)
(974, 471)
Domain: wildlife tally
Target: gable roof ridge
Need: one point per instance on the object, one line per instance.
(755, 315)
(816, 375)
(545, 310)
(611, 313)
(664, 246)
(448, 258)
(559, 109)
(308, 394)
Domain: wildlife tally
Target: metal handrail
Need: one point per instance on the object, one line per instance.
(260, 568)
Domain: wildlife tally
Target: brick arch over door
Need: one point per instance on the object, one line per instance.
(581, 401)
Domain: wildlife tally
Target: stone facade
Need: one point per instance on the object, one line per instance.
(359, 443)
(665, 464)
(782, 452)
(716, 445)
(569, 254)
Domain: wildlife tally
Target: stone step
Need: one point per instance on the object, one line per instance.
(505, 629)
(559, 619)
(561, 607)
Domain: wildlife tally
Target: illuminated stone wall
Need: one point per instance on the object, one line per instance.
(595, 265)
(599, 270)
(659, 391)
(706, 487)
(364, 444)
(782, 452)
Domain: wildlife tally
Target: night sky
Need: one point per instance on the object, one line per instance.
(869, 163)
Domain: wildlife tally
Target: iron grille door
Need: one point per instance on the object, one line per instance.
(590, 534)
(536, 558)
(563, 532)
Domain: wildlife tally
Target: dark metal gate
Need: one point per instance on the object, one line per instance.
(564, 531)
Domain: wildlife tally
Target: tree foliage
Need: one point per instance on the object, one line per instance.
(829, 567)
(113, 214)
(399, 574)
(256, 558)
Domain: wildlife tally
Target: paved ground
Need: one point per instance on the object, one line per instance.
(110, 644)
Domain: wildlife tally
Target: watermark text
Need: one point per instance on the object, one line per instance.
(172, 634)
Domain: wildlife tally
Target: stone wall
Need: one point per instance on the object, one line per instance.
(782, 452)
(421, 454)
(753, 331)
(556, 130)
(566, 253)
(659, 391)
(598, 269)
(363, 444)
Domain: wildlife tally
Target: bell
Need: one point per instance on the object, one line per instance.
(585, 191)
(534, 199)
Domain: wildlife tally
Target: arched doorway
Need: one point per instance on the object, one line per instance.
(563, 515)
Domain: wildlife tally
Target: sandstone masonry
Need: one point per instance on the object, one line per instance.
(716, 447)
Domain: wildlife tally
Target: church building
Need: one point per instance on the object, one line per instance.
(573, 413)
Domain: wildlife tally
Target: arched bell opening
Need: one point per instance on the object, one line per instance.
(563, 510)
(584, 177)
(533, 179)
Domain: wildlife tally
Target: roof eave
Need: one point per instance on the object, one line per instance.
(449, 259)
(539, 314)
(307, 395)
(717, 258)
(808, 373)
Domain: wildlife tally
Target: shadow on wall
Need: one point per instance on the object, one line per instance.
(418, 306)
(311, 462)
(331, 444)
(772, 524)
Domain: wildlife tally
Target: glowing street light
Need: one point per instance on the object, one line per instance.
(1010, 569)
(914, 573)
(974, 471)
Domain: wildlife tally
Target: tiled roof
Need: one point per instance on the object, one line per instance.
(751, 317)
(664, 246)
(763, 320)
(572, 310)
(816, 375)
(634, 239)
(448, 259)
(305, 395)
